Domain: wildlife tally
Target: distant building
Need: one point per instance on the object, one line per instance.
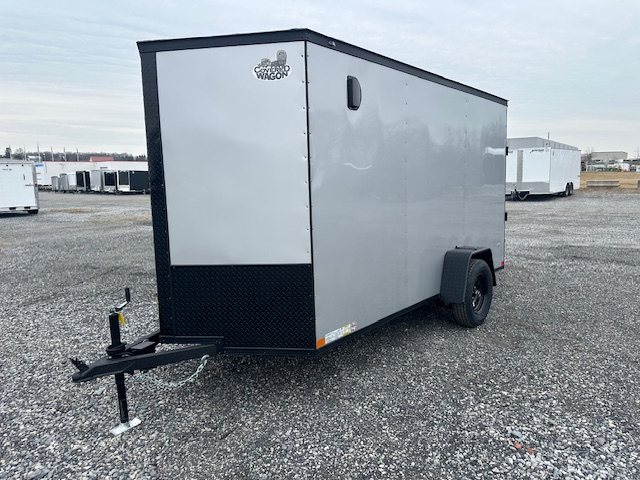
(608, 157)
(105, 159)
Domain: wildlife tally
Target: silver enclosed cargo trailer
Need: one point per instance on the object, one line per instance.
(338, 181)
(343, 189)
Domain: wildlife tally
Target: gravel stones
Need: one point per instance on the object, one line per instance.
(548, 387)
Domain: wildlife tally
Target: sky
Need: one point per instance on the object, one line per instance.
(70, 69)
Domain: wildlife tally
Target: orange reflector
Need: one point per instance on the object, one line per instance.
(320, 343)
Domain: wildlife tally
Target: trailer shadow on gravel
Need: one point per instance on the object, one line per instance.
(13, 215)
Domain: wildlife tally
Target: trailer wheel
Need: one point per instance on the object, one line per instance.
(570, 189)
(567, 190)
(478, 293)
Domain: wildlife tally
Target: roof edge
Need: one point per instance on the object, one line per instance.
(304, 34)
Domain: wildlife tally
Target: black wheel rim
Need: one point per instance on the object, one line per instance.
(478, 294)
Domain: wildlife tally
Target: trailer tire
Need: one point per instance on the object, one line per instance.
(473, 310)
(33, 212)
(567, 191)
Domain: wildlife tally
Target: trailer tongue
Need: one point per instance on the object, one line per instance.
(139, 355)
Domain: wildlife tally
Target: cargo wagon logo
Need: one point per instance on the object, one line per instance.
(273, 69)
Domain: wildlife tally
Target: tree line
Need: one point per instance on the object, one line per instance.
(20, 154)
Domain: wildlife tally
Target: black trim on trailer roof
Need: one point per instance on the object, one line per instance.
(303, 34)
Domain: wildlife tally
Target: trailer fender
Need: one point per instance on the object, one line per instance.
(455, 268)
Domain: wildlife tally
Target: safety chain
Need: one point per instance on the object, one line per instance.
(144, 376)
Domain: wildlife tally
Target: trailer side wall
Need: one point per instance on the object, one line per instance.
(565, 168)
(394, 185)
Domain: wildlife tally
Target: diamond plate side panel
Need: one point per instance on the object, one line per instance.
(266, 306)
(156, 185)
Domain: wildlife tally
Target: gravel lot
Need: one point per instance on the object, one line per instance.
(549, 387)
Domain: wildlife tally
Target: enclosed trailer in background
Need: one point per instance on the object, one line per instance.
(83, 180)
(109, 181)
(130, 181)
(123, 181)
(46, 170)
(67, 182)
(139, 181)
(538, 166)
(343, 189)
(63, 182)
(95, 179)
(18, 187)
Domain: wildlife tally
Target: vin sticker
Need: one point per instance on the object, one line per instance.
(339, 333)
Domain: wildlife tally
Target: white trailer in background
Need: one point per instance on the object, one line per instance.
(48, 169)
(95, 181)
(83, 180)
(18, 187)
(67, 182)
(109, 181)
(538, 166)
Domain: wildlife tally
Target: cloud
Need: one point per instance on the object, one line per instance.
(70, 69)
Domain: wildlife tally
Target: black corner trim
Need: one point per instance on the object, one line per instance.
(156, 186)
